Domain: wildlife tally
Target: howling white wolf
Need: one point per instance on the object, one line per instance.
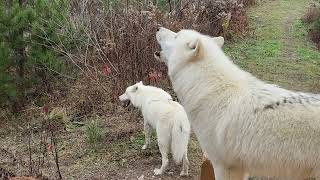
(246, 126)
(167, 117)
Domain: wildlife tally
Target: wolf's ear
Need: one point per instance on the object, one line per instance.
(194, 45)
(140, 83)
(219, 41)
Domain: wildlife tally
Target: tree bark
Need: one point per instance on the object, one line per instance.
(20, 69)
(170, 8)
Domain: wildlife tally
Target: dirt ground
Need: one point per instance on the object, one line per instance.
(117, 156)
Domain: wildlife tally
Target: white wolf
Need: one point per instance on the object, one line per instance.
(167, 117)
(246, 126)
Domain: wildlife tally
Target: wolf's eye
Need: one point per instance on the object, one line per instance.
(135, 89)
(176, 36)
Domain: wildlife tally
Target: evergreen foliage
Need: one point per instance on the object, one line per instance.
(30, 31)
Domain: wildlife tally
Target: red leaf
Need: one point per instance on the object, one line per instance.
(154, 75)
(106, 70)
(50, 147)
(45, 109)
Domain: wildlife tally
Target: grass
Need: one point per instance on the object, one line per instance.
(279, 50)
(94, 133)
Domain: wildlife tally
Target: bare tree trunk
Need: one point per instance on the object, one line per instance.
(127, 6)
(20, 69)
(30, 151)
(55, 154)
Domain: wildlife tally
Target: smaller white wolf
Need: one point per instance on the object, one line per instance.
(169, 119)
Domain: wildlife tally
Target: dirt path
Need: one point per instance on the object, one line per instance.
(289, 51)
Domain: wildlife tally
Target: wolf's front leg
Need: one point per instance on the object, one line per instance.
(147, 135)
(185, 164)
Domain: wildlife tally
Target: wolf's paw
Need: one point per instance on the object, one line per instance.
(157, 171)
(183, 173)
(144, 147)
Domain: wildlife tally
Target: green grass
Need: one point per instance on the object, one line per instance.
(139, 139)
(279, 51)
(94, 132)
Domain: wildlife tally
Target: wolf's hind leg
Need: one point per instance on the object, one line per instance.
(164, 143)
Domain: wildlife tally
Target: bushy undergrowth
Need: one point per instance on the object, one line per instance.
(121, 41)
(117, 46)
(312, 19)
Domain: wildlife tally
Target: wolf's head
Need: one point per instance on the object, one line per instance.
(132, 94)
(184, 46)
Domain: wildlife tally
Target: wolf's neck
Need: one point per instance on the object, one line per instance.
(209, 76)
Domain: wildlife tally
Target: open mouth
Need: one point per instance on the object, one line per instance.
(126, 103)
(157, 54)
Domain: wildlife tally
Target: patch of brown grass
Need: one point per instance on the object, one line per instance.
(312, 19)
(314, 35)
(247, 3)
(312, 14)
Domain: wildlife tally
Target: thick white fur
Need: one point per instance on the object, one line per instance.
(246, 126)
(169, 119)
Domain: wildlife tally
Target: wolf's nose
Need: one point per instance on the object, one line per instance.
(157, 53)
(158, 28)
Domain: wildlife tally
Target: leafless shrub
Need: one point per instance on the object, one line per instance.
(247, 3)
(312, 14)
(312, 19)
(118, 42)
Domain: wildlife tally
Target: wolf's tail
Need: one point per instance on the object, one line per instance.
(180, 136)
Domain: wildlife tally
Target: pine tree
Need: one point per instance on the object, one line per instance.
(29, 29)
